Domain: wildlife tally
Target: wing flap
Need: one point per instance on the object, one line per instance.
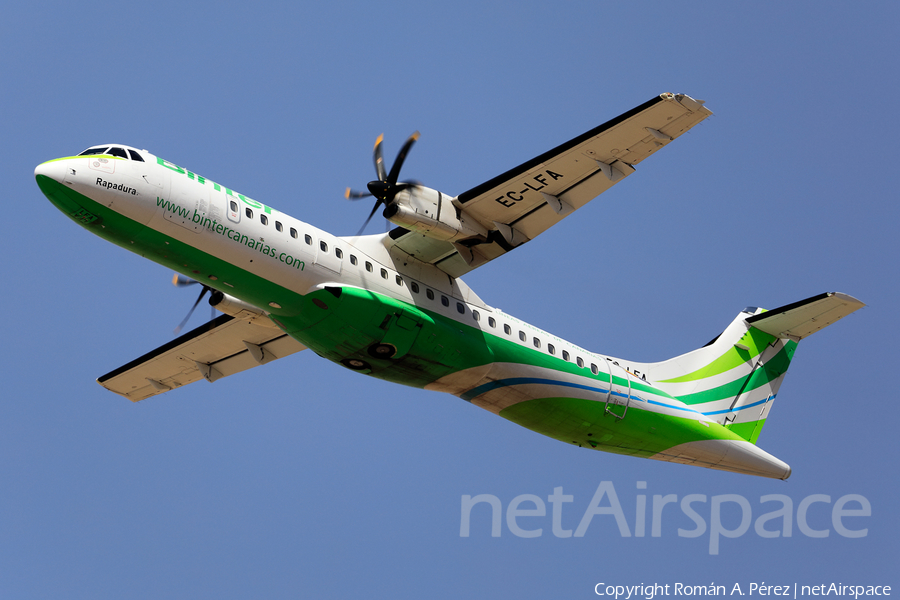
(222, 347)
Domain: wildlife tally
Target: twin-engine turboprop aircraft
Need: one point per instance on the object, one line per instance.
(393, 305)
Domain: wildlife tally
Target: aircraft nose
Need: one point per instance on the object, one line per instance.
(53, 178)
(52, 169)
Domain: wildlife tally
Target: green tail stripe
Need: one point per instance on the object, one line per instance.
(755, 340)
(773, 369)
(749, 431)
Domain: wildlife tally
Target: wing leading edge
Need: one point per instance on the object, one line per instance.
(519, 205)
(224, 346)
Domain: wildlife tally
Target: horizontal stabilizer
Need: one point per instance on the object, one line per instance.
(800, 319)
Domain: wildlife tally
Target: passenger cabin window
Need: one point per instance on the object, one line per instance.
(507, 329)
(580, 362)
(476, 315)
(414, 286)
(565, 355)
(492, 322)
(279, 226)
(522, 336)
(368, 266)
(461, 308)
(264, 219)
(430, 294)
(594, 369)
(353, 260)
(551, 349)
(537, 343)
(323, 246)
(294, 233)
(308, 239)
(249, 213)
(234, 206)
(445, 300)
(384, 273)
(339, 253)
(398, 279)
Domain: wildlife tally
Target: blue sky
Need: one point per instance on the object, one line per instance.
(302, 479)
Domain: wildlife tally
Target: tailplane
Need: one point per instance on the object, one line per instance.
(735, 377)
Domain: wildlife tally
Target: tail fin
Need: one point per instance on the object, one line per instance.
(734, 378)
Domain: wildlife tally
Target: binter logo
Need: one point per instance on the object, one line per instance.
(202, 180)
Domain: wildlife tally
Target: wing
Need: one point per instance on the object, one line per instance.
(222, 347)
(518, 205)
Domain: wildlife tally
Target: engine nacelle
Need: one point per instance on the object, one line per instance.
(433, 214)
(237, 308)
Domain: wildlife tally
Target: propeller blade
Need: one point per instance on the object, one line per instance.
(182, 281)
(379, 159)
(401, 157)
(369, 218)
(354, 195)
(191, 312)
(385, 188)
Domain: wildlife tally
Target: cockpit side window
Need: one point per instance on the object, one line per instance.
(136, 156)
(95, 150)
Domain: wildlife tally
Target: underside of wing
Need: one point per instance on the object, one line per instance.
(802, 319)
(518, 205)
(222, 347)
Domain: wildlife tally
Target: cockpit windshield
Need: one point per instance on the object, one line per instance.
(126, 153)
(95, 150)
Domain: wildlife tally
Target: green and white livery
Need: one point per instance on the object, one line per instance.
(394, 306)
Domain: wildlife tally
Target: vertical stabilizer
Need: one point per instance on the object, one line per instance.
(734, 378)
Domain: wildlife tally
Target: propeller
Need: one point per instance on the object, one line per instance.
(386, 187)
(182, 281)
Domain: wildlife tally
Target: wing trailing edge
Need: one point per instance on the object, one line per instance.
(222, 347)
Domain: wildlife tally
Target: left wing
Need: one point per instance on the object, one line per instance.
(518, 205)
(224, 346)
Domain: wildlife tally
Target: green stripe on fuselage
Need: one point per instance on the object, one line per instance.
(586, 423)
(433, 345)
(748, 430)
(167, 251)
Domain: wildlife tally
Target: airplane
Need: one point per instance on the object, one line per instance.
(394, 306)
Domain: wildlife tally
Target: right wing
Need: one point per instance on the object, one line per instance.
(222, 347)
(522, 203)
